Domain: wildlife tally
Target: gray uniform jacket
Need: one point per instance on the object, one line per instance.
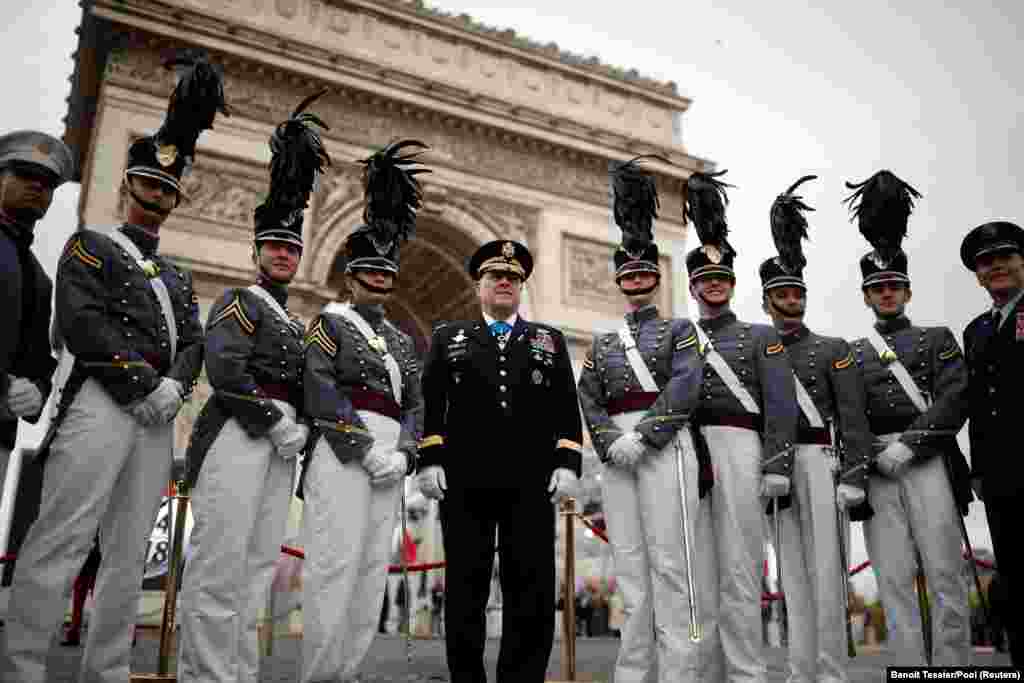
(252, 357)
(109, 317)
(345, 374)
(608, 386)
(933, 358)
(756, 354)
(826, 368)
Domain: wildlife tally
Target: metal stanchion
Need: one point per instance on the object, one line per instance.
(171, 592)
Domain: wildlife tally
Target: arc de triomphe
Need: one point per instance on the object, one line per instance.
(521, 137)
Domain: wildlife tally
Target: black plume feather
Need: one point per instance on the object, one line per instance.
(393, 193)
(882, 205)
(789, 227)
(704, 202)
(298, 156)
(196, 99)
(636, 203)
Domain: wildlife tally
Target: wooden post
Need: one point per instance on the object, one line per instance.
(569, 592)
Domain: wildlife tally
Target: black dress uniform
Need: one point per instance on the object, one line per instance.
(748, 439)
(994, 348)
(362, 391)
(914, 521)
(248, 435)
(25, 293)
(129, 320)
(642, 501)
(499, 421)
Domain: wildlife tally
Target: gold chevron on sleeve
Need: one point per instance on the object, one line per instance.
(949, 353)
(773, 349)
(79, 251)
(235, 310)
(318, 335)
(570, 444)
(686, 343)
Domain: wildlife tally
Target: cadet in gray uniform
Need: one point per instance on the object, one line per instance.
(830, 396)
(636, 414)
(748, 416)
(363, 390)
(915, 380)
(245, 441)
(132, 350)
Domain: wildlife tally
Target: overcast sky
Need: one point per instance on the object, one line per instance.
(779, 90)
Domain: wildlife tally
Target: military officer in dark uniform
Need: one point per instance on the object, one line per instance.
(994, 347)
(249, 432)
(502, 443)
(32, 166)
(915, 381)
(638, 388)
(132, 348)
(830, 397)
(362, 388)
(748, 418)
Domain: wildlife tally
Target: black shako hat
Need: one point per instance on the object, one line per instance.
(298, 157)
(168, 154)
(789, 228)
(501, 255)
(882, 205)
(990, 238)
(392, 195)
(634, 208)
(704, 202)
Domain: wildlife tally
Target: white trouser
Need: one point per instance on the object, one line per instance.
(916, 513)
(348, 525)
(104, 471)
(733, 516)
(240, 507)
(644, 520)
(812, 573)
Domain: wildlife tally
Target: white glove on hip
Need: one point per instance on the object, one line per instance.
(160, 406)
(24, 398)
(626, 450)
(396, 464)
(848, 496)
(774, 485)
(288, 436)
(562, 484)
(432, 482)
(894, 459)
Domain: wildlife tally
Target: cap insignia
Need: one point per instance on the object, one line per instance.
(713, 253)
(166, 154)
(508, 250)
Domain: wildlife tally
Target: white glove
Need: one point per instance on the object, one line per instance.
(24, 398)
(847, 496)
(626, 450)
(374, 462)
(396, 464)
(432, 482)
(894, 459)
(563, 484)
(774, 485)
(160, 406)
(288, 437)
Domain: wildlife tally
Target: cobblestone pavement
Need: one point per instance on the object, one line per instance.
(387, 662)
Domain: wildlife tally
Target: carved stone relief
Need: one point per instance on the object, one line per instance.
(588, 276)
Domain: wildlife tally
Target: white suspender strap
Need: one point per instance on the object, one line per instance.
(725, 372)
(374, 340)
(810, 410)
(898, 370)
(643, 374)
(266, 298)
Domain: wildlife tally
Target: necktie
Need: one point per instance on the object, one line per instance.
(500, 330)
